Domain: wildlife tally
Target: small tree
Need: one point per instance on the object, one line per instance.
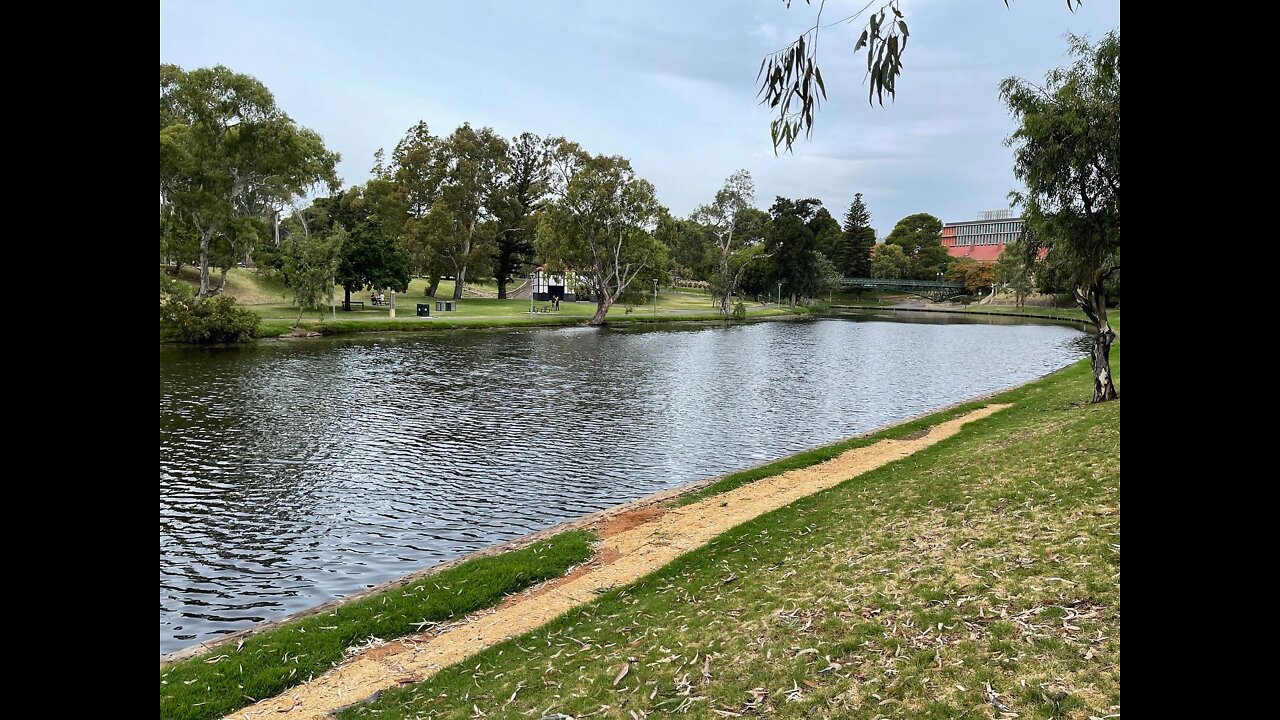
(368, 259)
(1012, 272)
(722, 220)
(311, 266)
(974, 275)
(1067, 153)
(890, 262)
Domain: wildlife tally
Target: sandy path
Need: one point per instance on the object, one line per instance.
(629, 551)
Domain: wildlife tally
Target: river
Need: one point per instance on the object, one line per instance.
(295, 472)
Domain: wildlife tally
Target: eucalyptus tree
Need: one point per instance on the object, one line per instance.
(721, 219)
(414, 171)
(1067, 154)
(311, 263)
(179, 240)
(601, 225)
(471, 168)
(227, 152)
(520, 193)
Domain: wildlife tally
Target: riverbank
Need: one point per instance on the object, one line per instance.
(1032, 312)
(414, 324)
(479, 308)
(822, 455)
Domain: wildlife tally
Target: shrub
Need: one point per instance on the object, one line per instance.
(739, 310)
(209, 320)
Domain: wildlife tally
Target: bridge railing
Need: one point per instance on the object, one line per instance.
(904, 284)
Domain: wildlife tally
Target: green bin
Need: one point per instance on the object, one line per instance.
(424, 310)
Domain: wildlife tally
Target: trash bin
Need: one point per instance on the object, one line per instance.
(424, 310)
(450, 305)
(439, 306)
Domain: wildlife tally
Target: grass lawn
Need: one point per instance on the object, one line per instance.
(227, 678)
(978, 577)
(270, 299)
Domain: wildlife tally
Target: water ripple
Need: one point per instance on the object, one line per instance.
(293, 473)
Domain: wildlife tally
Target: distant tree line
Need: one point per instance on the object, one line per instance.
(242, 183)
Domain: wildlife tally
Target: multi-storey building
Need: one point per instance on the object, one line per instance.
(982, 239)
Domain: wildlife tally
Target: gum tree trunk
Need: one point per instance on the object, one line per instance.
(1093, 301)
(435, 285)
(502, 288)
(459, 282)
(205, 237)
(603, 303)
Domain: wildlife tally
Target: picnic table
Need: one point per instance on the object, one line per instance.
(379, 300)
(358, 302)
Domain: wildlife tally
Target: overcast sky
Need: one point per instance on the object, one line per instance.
(669, 84)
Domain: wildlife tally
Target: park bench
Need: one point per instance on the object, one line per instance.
(358, 302)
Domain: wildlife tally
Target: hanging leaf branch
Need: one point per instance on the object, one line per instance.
(791, 83)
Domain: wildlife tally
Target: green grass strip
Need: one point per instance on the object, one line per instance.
(224, 679)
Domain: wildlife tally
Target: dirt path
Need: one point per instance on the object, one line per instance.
(633, 545)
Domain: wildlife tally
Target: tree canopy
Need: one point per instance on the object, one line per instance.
(1067, 153)
(227, 152)
(601, 224)
(920, 237)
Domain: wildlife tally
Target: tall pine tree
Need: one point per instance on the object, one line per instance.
(853, 253)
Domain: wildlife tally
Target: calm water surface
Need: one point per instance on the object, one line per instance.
(295, 472)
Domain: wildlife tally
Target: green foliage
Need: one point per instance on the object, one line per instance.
(852, 254)
(722, 220)
(826, 232)
(179, 239)
(225, 679)
(739, 310)
(311, 265)
(1012, 272)
(794, 248)
(209, 320)
(758, 274)
(516, 201)
(369, 259)
(890, 262)
(472, 164)
(977, 277)
(791, 83)
(1067, 153)
(601, 225)
(170, 285)
(920, 237)
(228, 153)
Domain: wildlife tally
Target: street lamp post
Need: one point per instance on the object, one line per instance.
(531, 287)
(779, 294)
(655, 297)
